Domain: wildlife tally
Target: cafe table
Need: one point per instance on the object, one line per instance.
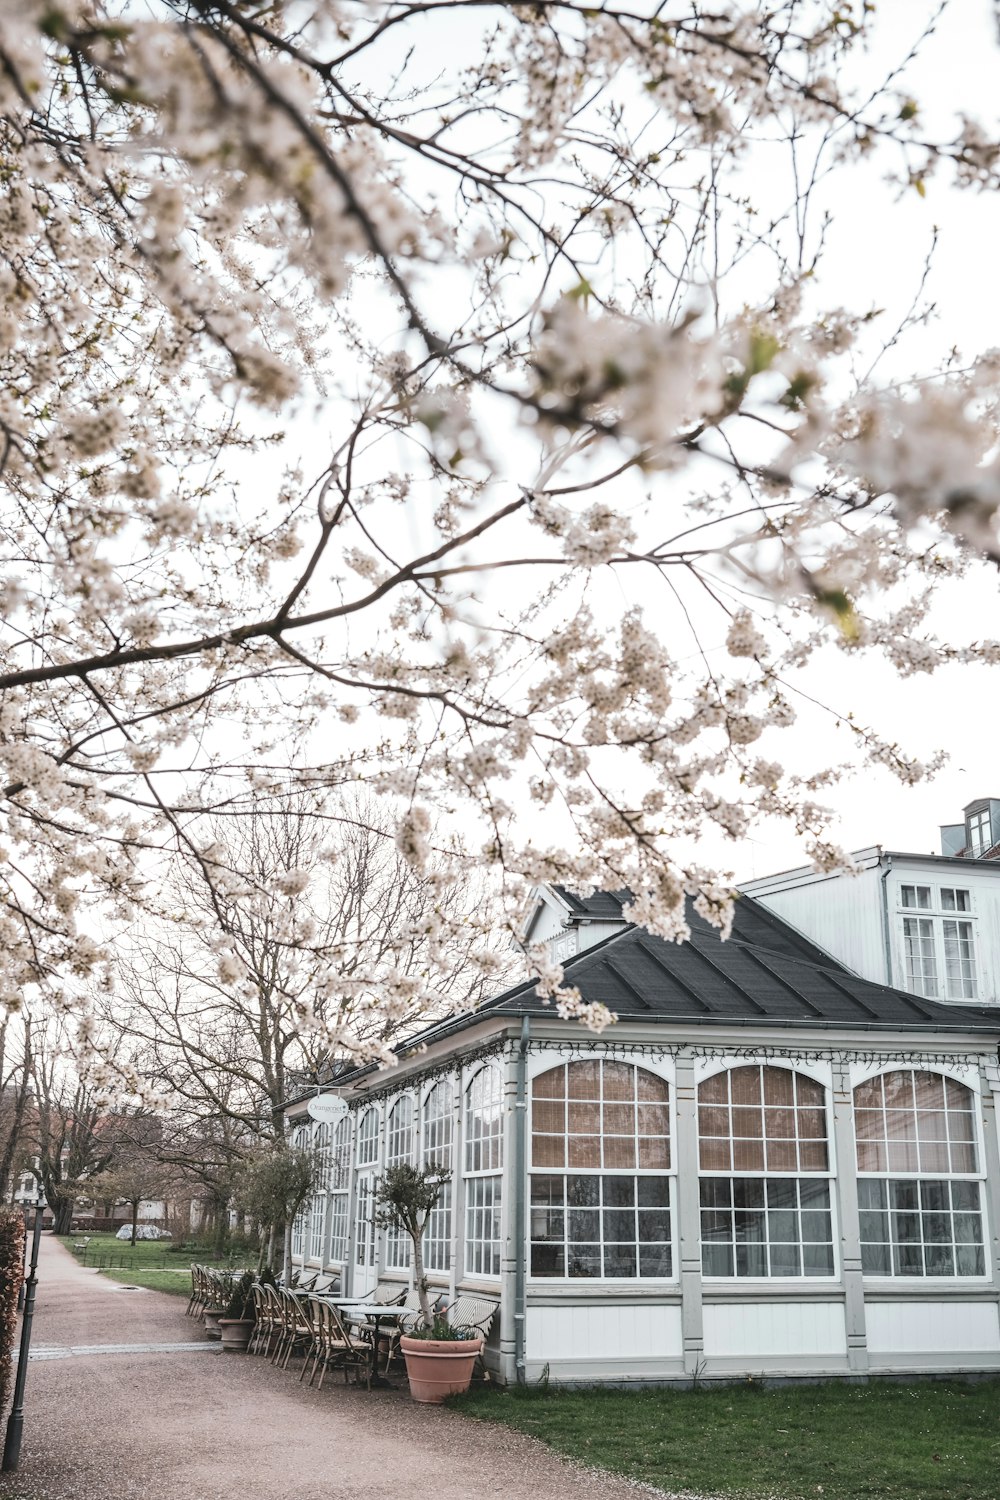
(375, 1314)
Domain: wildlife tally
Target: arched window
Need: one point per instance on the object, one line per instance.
(436, 1150)
(918, 1176)
(340, 1177)
(368, 1138)
(600, 1159)
(483, 1163)
(765, 1174)
(398, 1149)
(399, 1132)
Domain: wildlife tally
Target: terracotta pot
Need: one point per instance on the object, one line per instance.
(437, 1368)
(236, 1334)
(212, 1316)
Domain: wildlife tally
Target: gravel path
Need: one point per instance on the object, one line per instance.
(185, 1424)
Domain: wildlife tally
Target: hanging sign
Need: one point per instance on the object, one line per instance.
(327, 1108)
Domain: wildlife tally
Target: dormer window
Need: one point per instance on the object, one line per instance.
(980, 834)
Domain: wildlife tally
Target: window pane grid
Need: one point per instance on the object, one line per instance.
(368, 1138)
(920, 956)
(364, 1227)
(338, 1227)
(959, 960)
(399, 1132)
(484, 1122)
(317, 1225)
(778, 1226)
(437, 1234)
(600, 1226)
(482, 1226)
(436, 1143)
(930, 1227)
(340, 1166)
(600, 1115)
(762, 1119)
(910, 1122)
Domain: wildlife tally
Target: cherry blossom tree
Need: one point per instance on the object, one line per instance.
(402, 393)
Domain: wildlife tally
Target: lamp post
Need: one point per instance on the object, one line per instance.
(15, 1422)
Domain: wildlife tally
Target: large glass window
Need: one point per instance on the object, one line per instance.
(340, 1179)
(483, 1163)
(437, 1150)
(939, 952)
(765, 1174)
(980, 835)
(398, 1149)
(604, 1211)
(918, 1178)
(368, 1138)
(317, 1223)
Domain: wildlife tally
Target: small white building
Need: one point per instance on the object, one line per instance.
(769, 1166)
(928, 923)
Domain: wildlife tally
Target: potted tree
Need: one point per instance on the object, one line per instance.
(439, 1358)
(238, 1318)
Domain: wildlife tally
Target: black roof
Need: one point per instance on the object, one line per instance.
(606, 905)
(765, 974)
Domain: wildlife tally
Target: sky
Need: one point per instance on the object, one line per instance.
(877, 246)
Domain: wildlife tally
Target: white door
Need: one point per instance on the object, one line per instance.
(365, 1270)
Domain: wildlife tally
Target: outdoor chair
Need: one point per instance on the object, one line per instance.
(326, 1284)
(334, 1345)
(413, 1319)
(387, 1294)
(267, 1319)
(295, 1334)
(474, 1316)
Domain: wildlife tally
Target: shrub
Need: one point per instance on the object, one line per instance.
(11, 1276)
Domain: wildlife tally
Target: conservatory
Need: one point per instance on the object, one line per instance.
(766, 1167)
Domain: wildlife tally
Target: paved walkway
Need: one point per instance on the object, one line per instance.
(159, 1419)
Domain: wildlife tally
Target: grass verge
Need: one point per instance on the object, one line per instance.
(926, 1441)
(146, 1263)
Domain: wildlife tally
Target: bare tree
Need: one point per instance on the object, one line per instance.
(261, 984)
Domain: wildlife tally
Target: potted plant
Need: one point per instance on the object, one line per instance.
(439, 1358)
(236, 1324)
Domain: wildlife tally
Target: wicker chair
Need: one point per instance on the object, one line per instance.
(474, 1316)
(334, 1345)
(294, 1333)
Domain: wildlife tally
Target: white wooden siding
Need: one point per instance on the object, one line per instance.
(919, 1327)
(758, 1331)
(842, 913)
(602, 1333)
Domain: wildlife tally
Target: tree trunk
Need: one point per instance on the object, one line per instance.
(63, 1214)
(419, 1275)
(135, 1218)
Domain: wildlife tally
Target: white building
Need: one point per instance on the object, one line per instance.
(769, 1166)
(928, 923)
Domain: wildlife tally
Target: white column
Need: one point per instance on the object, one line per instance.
(688, 1212)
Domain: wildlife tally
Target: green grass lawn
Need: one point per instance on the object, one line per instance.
(145, 1264)
(926, 1441)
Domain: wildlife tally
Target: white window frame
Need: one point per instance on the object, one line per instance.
(483, 1182)
(339, 1232)
(368, 1137)
(932, 939)
(980, 832)
(438, 1152)
(400, 1143)
(635, 1174)
(955, 1279)
(799, 1175)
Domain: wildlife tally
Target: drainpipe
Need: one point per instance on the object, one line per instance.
(520, 1193)
(886, 861)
